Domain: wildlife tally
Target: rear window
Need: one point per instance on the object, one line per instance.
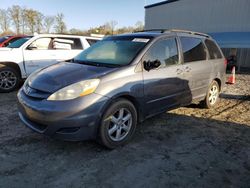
(193, 49)
(92, 41)
(214, 52)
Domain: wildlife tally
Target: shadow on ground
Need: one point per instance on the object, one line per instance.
(168, 150)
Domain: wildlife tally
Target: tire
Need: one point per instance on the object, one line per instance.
(118, 124)
(212, 96)
(9, 79)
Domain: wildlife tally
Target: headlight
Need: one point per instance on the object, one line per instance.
(73, 91)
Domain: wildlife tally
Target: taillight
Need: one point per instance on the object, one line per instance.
(225, 62)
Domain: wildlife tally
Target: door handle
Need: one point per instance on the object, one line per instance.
(188, 69)
(179, 71)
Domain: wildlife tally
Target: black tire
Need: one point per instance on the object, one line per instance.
(212, 100)
(107, 124)
(10, 79)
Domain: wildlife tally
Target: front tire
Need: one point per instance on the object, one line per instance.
(212, 96)
(118, 124)
(9, 79)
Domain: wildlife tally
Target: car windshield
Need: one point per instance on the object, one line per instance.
(112, 51)
(2, 39)
(18, 43)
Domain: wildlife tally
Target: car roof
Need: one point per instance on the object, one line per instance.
(66, 36)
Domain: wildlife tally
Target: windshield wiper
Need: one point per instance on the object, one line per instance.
(97, 64)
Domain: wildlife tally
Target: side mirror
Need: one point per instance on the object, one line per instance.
(148, 65)
(32, 47)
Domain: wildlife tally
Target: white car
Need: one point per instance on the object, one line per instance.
(27, 55)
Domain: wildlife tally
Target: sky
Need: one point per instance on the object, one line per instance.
(84, 14)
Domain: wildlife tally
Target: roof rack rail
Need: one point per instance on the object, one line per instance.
(175, 30)
(148, 30)
(189, 32)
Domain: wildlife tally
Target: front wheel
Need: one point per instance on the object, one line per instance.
(9, 79)
(118, 124)
(212, 96)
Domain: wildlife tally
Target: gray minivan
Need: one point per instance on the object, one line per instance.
(107, 89)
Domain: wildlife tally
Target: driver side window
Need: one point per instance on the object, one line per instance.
(164, 51)
(40, 44)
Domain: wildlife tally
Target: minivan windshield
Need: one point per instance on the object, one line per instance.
(112, 51)
(18, 43)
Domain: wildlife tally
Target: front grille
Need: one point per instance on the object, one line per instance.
(35, 93)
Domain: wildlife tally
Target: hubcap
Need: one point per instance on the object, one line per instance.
(7, 80)
(213, 94)
(120, 124)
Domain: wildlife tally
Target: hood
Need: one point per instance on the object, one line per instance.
(60, 75)
(5, 49)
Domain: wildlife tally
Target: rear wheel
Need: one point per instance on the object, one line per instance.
(212, 96)
(118, 124)
(9, 79)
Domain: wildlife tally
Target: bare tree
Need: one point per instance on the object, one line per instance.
(39, 22)
(30, 18)
(113, 23)
(48, 23)
(4, 20)
(139, 26)
(60, 26)
(15, 14)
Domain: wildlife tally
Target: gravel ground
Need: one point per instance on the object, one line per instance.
(186, 147)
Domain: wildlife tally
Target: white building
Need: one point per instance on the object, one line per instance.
(228, 21)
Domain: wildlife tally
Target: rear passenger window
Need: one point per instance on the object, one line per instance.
(214, 52)
(164, 51)
(67, 44)
(193, 49)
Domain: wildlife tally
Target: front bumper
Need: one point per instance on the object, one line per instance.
(72, 120)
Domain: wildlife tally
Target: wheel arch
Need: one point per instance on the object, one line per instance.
(219, 82)
(130, 98)
(12, 65)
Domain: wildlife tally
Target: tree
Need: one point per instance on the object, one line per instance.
(113, 23)
(39, 22)
(48, 23)
(30, 18)
(15, 14)
(4, 20)
(60, 26)
(139, 26)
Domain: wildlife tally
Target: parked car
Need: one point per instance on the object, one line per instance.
(26, 55)
(10, 39)
(107, 89)
(4, 38)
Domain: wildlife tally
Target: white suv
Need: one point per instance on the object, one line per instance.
(27, 55)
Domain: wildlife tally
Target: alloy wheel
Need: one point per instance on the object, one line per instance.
(8, 80)
(120, 124)
(213, 94)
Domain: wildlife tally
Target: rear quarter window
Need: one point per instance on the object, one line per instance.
(193, 49)
(91, 41)
(214, 51)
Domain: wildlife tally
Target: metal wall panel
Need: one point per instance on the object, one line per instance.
(201, 15)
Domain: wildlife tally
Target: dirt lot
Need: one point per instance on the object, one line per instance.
(187, 147)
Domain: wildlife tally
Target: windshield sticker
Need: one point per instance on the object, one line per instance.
(140, 40)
